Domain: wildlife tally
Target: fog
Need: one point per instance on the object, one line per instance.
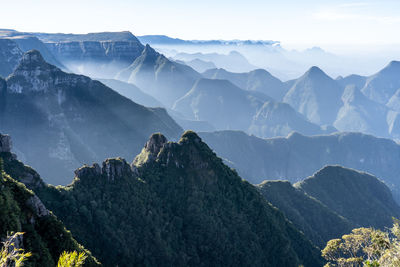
(287, 63)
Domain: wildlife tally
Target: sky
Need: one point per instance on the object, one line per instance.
(305, 23)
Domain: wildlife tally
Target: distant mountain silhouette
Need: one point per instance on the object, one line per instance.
(159, 77)
(315, 95)
(297, 156)
(257, 80)
(384, 84)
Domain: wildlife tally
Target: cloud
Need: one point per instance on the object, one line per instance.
(358, 4)
(355, 12)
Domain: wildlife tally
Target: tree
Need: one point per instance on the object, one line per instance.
(365, 247)
(71, 259)
(10, 254)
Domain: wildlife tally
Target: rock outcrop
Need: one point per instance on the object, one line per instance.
(5, 143)
(37, 206)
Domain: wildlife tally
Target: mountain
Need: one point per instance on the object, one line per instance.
(100, 55)
(10, 55)
(200, 65)
(296, 156)
(394, 101)
(21, 210)
(361, 114)
(257, 80)
(124, 36)
(28, 42)
(70, 119)
(358, 196)
(233, 61)
(177, 204)
(227, 107)
(132, 92)
(315, 95)
(357, 80)
(160, 77)
(221, 103)
(166, 40)
(383, 85)
(280, 119)
(319, 223)
(333, 201)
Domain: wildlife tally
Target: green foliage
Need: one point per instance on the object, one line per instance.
(45, 236)
(359, 197)
(10, 254)
(314, 219)
(365, 247)
(71, 259)
(182, 208)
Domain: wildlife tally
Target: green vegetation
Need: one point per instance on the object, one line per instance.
(314, 219)
(365, 247)
(21, 211)
(359, 197)
(72, 259)
(10, 254)
(181, 206)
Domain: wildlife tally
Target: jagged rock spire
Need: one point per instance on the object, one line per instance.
(151, 149)
(5, 143)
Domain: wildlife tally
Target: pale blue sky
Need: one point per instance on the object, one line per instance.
(307, 22)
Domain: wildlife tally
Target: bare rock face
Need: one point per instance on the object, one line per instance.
(5, 143)
(116, 168)
(86, 170)
(150, 151)
(36, 204)
(155, 143)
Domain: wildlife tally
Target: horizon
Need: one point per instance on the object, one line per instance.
(332, 25)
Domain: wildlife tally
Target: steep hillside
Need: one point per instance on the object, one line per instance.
(179, 205)
(22, 211)
(361, 114)
(160, 77)
(298, 156)
(319, 223)
(257, 80)
(383, 85)
(70, 119)
(10, 55)
(359, 197)
(132, 92)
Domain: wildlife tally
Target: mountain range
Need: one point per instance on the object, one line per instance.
(297, 156)
(72, 119)
(176, 204)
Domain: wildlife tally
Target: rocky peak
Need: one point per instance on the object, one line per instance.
(86, 171)
(155, 143)
(32, 59)
(5, 143)
(151, 149)
(149, 51)
(116, 168)
(112, 168)
(32, 74)
(315, 72)
(190, 137)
